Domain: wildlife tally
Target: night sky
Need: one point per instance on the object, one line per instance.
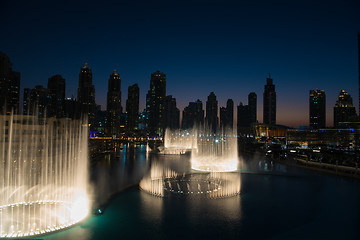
(228, 47)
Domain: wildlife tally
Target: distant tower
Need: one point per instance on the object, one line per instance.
(359, 66)
(229, 114)
(56, 86)
(114, 104)
(252, 103)
(155, 103)
(317, 109)
(26, 101)
(223, 120)
(344, 111)
(243, 117)
(211, 118)
(193, 115)
(132, 107)
(86, 94)
(9, 86)
(269, 102)
(39, 101)
(172, 113)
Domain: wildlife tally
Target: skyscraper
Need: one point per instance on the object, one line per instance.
(344, 111)
(229, 114)
(132, 107)
(172, 113)
(359, 66)
(211, 118)
(193, 115)
(156, 104)
(39, 101)
(252, 102)
(317, 109)
(222, 118)
(9, 86)
(269, 102)
(86, 94)
(114, 104)
(243, 117)
(56, 86)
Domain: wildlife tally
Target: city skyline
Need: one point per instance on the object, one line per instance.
(227, 48)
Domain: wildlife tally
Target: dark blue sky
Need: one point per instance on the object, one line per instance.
(202, 45)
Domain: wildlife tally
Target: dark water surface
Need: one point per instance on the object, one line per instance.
(276, 202)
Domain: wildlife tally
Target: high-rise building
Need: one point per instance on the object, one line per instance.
(211, 119)
(252, 102)
(359, 66)
(269, 102)
(86, 94)
(9, 86)
(26, 101)
(243, 117)
(114, 104)
(172, 113)
(223, 119)
(56, 86)
(132, 108)
(39, 101)
(156, 104)
(193, 115)
(317, 109)
(344, 110)
(229, 114)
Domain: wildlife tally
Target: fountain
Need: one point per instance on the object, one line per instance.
(43, 174)
(215, 152)
(179, 141)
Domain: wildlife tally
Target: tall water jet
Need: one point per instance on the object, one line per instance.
(43, 174)
(179, 141)
(215, 152)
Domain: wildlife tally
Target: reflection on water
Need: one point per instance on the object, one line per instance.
(279, 202)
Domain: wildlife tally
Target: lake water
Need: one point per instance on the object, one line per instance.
(276, 202)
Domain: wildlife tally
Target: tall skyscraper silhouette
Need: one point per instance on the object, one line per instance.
(269, 116)
(344, 110)
(132, 107)
(243, 117)
(252, 102)
(114, 104)
(86, 94)
(172, 113)
(317, 109)
(56, 86)
(359, 67)
(211, 119)
(155, 103)
(227, 115)
(9, 86)
(193, 115)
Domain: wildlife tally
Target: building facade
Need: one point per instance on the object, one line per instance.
(317, 109)
(113, 105)
(269, 116)
(344, 110)
(132, 108)
(155, 103)
(252, 102)
(9, 86)
(56, 86)
(172, 113)
(193, 115)
(211, 119)
(86, 95)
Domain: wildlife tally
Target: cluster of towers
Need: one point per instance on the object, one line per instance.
(160, 112)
